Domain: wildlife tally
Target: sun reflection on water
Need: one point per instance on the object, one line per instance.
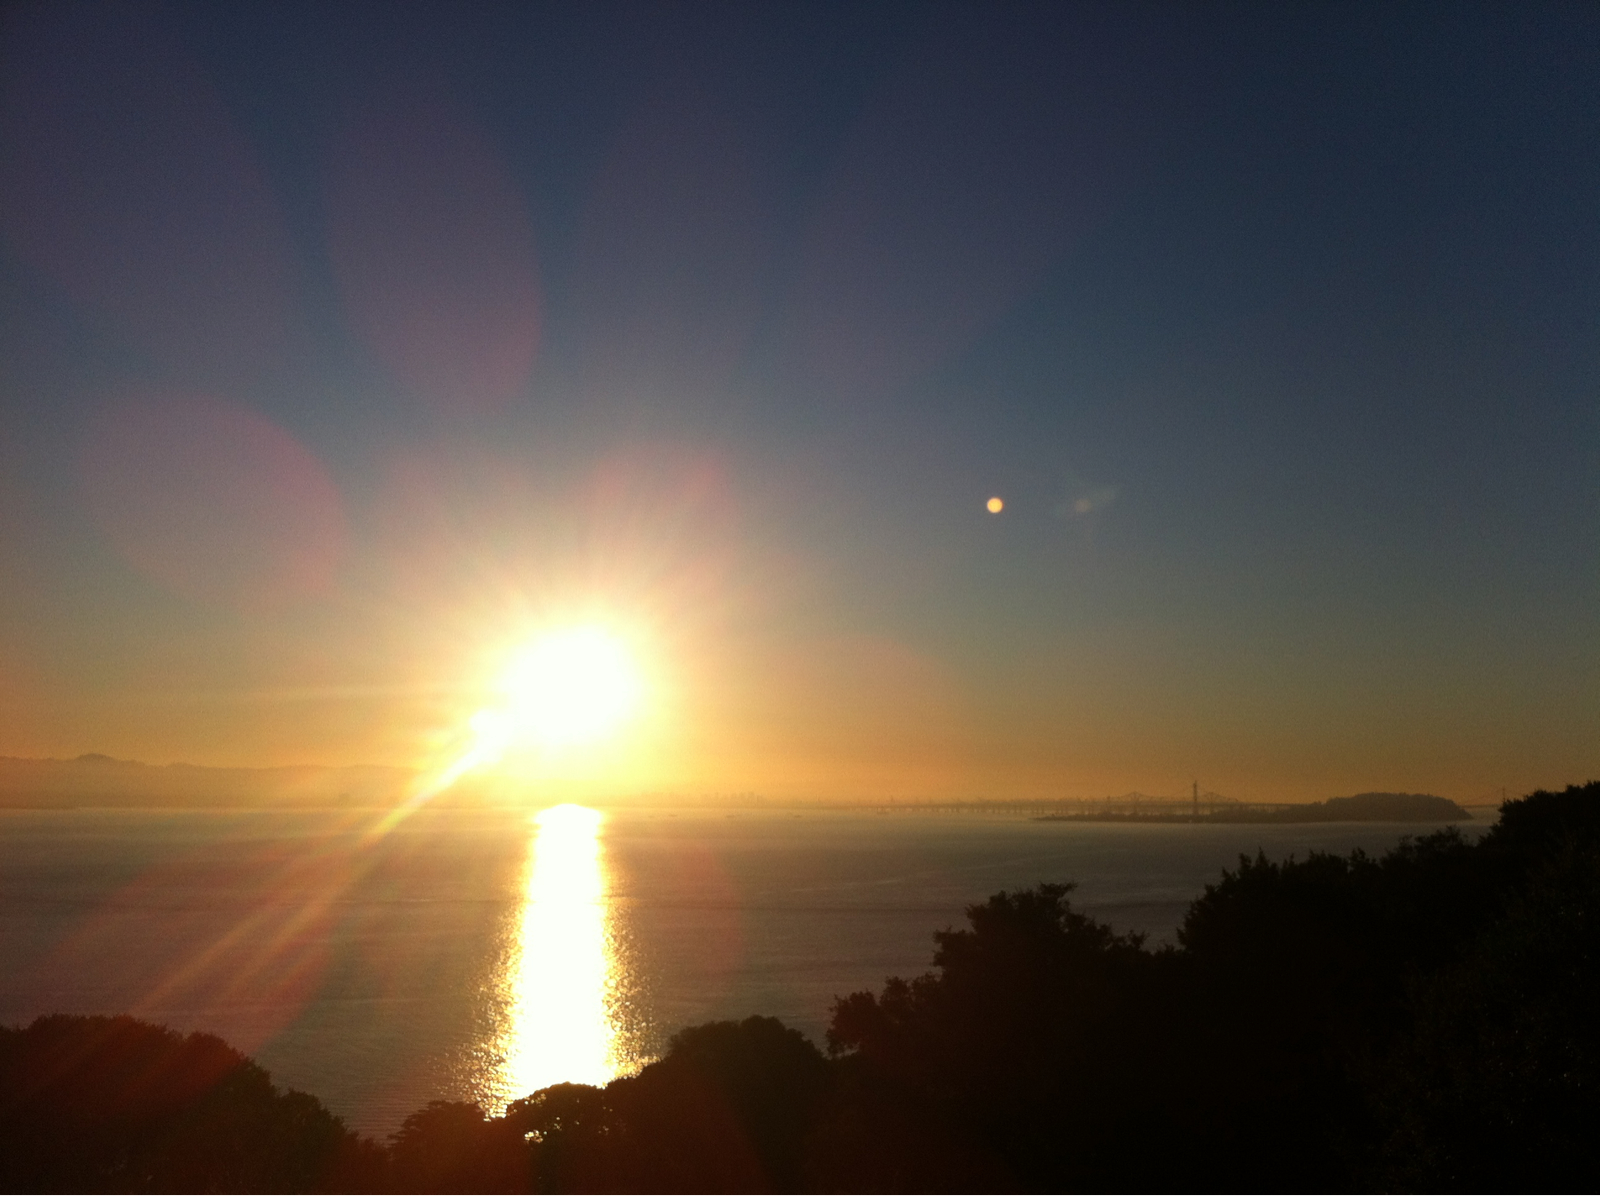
(559, 983)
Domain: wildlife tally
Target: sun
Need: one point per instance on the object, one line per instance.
(568, 687)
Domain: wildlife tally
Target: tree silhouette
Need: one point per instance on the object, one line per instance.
(113, 1104)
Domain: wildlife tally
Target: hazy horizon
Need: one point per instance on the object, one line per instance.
(94, 778)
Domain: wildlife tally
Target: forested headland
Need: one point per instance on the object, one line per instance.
(1423, 1020)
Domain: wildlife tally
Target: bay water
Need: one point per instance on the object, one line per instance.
(382, 971)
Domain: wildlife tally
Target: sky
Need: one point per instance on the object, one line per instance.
(345, 347)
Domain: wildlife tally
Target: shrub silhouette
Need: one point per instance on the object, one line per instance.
(450, 1146)
(1423, 1019)
(1499, 1085)
(745, 1091)
(727, 1109)
(113, 1104)
(1014, 1054)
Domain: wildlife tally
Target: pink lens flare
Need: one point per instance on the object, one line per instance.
(434, 255)
(212, 501)
(125, 181)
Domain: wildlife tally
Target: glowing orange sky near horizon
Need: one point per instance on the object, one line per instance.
(749, 689)
(735, 710)
(761, 677)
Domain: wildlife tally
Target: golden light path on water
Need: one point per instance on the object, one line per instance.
(559, 981)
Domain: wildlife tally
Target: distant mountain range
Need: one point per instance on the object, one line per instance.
(97, 780)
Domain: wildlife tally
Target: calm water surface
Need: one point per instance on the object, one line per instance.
(480, 955)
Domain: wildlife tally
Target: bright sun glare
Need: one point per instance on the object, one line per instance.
(565, 689)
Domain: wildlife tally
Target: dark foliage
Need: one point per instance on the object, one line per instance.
(728, 1109)
(1424, 1020)
(992, 1051)
(450, 1146)
(1499, 1086)
(1421, 1021)
(114, 1105)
